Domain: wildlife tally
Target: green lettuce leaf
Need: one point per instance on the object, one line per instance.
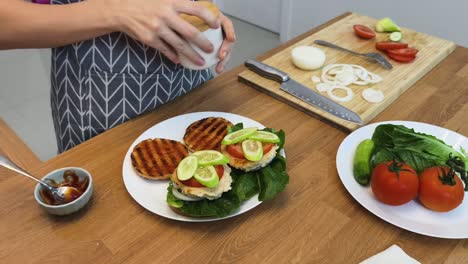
(397, 142)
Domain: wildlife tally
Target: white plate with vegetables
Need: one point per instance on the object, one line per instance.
(423, 152)
(152, 194)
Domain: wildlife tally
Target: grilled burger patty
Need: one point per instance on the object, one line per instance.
(156, 159)
(206, 134)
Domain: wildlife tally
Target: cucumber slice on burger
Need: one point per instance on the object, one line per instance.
(207, 176)
(210, 157)
(264, 136)
(238, 136)
(253, 150)
(187, 168)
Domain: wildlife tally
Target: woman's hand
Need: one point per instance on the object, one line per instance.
(225, 51)
(157, 24)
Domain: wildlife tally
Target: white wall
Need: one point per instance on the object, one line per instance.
(263, 13)
(445, 19)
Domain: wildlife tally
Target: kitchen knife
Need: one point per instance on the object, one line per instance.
(302, 92)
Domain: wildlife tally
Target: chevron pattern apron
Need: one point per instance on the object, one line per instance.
(101, 83)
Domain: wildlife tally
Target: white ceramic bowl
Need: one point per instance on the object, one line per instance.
(73, 206)
(215, 36)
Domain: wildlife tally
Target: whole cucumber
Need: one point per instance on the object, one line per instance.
(361, 165)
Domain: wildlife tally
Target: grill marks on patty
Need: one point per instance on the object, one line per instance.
(206, 134)
(157, 158)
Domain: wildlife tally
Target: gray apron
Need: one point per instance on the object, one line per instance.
(101, 83)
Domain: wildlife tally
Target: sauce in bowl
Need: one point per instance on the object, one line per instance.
(69, 179)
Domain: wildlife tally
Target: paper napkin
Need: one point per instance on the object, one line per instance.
(391, 255)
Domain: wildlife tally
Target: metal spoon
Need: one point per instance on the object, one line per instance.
(64, 194)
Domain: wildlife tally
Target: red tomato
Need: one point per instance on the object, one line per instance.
(235, 150)
(394, 183)
(194, 183)
(441, 189)
(363, 32)
(400, 58)
(409, 52)
(390, 45)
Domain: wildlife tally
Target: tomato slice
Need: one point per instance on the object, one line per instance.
(400, 58)
(235, 150)
(409, 52)
(194, 183)
(267, 147)
(363, 32)
(219, 171)
(390, 45)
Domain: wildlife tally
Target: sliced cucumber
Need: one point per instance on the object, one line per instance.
(264, 136)
(238, 136)
(396, 36)
(386, 25)
(253, 150)
(207, 176)
(187, 168)
(210, 157)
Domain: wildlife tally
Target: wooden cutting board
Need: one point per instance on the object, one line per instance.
(395, 82)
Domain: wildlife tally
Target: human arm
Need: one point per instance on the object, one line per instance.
(155, 23)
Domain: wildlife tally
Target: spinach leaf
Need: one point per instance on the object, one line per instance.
(273, 179)
(220, 207)
(171, 199)
(235, 128)
(246, 184)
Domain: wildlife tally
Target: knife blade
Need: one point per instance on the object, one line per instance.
(302, 92)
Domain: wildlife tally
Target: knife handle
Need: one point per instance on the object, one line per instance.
(267, 71)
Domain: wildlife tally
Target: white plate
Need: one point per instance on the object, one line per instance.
(412, 216)
(152, 194)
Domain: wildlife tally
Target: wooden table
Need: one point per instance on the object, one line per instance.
(314, 221)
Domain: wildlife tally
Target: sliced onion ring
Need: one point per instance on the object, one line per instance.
(373, 96)
(362, 76)
(323, 87)
(184, 197)
(315, 79)
(346, 98)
